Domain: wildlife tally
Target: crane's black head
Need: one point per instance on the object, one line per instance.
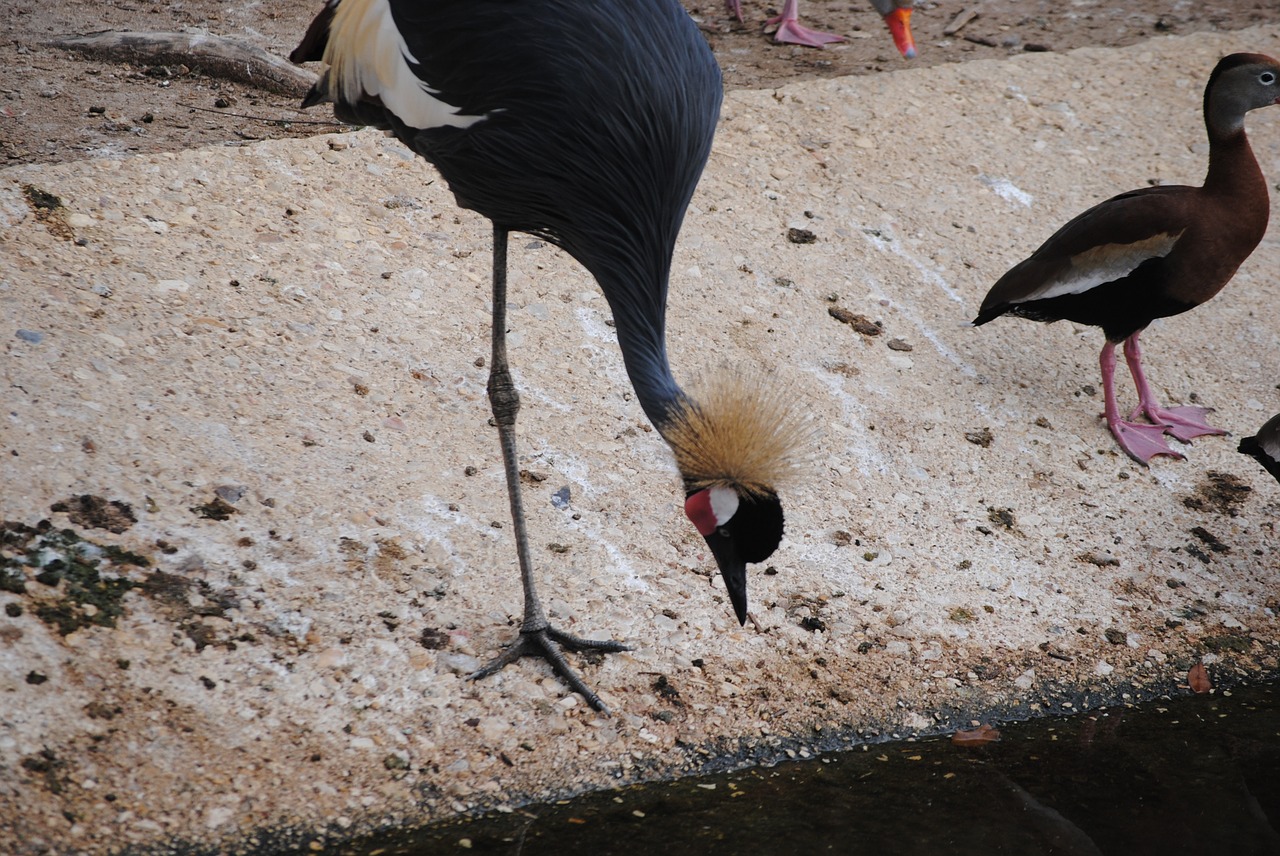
(739, 528)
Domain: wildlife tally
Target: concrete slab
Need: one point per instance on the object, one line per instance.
(269, 358)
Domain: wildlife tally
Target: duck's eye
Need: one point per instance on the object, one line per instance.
(1267, 78)
(723, 532)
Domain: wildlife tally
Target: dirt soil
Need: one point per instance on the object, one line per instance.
(56, 105)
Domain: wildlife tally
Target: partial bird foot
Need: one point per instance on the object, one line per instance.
(791, 32)
(1140, 441)
(546, 643)
(1181, 423)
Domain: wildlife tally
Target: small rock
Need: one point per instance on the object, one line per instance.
(460, 663)
(231, 493)
(859, 323)
(216, 509)
(331, 658)
(981, 438)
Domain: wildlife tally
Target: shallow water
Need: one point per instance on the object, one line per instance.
(1196, 775)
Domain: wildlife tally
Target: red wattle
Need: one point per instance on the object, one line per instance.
(698, 509)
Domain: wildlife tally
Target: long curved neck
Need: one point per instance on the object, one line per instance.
(639, 316)
(1233, 169)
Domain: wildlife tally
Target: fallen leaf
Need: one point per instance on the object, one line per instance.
(979, 736)
(1198, 677)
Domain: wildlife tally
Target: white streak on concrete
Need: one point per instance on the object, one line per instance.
(1007, 190)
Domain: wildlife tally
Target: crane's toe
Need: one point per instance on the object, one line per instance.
(547, 643)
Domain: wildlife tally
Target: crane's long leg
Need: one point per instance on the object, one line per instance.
(1140, 441)
(1182, 423)
(537, 637)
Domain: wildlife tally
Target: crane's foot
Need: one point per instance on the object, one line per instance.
(546, 643)
(1140, 441)
(1181, 423)
(792, 33)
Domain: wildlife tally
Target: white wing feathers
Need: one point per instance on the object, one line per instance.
(366, 54)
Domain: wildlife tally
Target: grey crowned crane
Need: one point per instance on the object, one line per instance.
(586, 123)
(896, 14)
(1155, 252)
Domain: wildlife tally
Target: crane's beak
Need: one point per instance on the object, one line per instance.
(899, 21)
(733, 570)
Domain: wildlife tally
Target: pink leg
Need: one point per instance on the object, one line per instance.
(790, 31)
(1141, 442)
(735, 6)
(1181, 423)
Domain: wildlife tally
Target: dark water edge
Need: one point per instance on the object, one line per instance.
(1192, 775)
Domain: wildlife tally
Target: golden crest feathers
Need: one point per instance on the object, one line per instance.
(738, 429)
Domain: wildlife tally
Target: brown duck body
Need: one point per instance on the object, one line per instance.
(1145, 254)
(1155, 252)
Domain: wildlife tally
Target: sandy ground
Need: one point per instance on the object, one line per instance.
(244, 385)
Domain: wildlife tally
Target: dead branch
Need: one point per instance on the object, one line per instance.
(213, 55)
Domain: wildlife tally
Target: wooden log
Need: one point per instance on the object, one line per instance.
(957, 23)
(214, 55)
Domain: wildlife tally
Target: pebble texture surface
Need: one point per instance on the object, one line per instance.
(245, 386)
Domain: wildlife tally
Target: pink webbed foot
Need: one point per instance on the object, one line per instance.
(1181, 423)
(791, 32)
(1140, 441)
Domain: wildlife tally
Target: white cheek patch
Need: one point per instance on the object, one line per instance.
(724, 503)
(711, 508)
(1103, 264)
(367, 55)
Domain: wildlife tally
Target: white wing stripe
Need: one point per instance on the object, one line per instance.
(1103, 264)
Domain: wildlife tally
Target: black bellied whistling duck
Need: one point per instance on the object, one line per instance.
(1155, 252)
(1264, 447)
(896, 14)
(586, 123)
